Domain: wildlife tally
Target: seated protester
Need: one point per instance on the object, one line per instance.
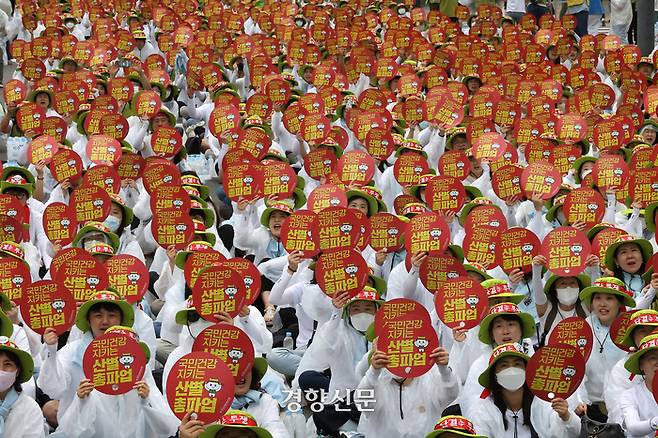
(406, 407)
(509, 409)
(142, 412)
(20, 415)
(638, 405)
(558, 299)
(19, 183)
(388, 184)
(504, 324)
(606, 298)
(264, 242)
(641, 324)
(627, 259)
(119, 222)
(453, 426)
(61, 371)
(234, 424)
(339, 346)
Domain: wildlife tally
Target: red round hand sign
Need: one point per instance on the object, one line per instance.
(114, 363)
(555, 371)
(229, 343)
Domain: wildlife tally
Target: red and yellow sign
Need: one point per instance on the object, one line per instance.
(46, 304)
(114, 362)
(218, 288)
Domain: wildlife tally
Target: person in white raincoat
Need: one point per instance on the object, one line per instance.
(140, 413)
(508, 408)
(638, 404)
(406, 407)
(20, 415)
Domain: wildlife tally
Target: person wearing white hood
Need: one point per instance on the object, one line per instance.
(339, 346)
(508, 409)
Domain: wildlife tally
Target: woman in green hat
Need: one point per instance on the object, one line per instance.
(234, 424)
(507, 407)
(606, 298)
(119, 222)
(627, 259)
(638, 404)
(648, 132)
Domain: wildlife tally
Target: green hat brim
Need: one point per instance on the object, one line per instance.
(202, 189)
(26, 361)
(632, 364)
(473, 192)
(586, 295)
(373, 206)
(33, 95)
(579, 163)
(208, 216)
(467, 209)
(207, 237)
(114, 239)
(645, 247)
(583, 280)
(163, 110)
(527, 324)
(379, 284)
(260, 365)
(265, 217)
(299, 198)
(128, 215)
(211, 431)
(471, 268)
(650, 216)
(403, 148)
(29, 188)
(127, 319)
(551, 214)
(438, 433)
(485, 378)
(6, 171)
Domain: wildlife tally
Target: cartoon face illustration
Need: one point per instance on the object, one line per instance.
(334, 201)
(435, 234)
(351, 270)
(36, 116)
(546, 154)
(581, 343)
(133, 277)
(345, 228)
(569, 372)
(284, 178)
(126, 360)
(97, 203)
(247, 180)
(494, 223)
(452, 274)
(549, 180)
(231, 292)
(235, 355)
(167, 179)
(421, 344)
(527, 248)
(576, 249)
(65, 223)
(17, 281)
(230, 117)
(516, 180)
(213, 386)
(460, 165)
(472, 301)
(363, 168)
(58, 305)
(492, 247)
(617, 172)
(327, 163)
(418, 169)
(453, 194)
(248, 281)
(93, 282)
(654, 187)
(592, 207)
(178, 203)
(393, 231)
(8, 228)
(181, 227)
(577, 127)
(614, 134)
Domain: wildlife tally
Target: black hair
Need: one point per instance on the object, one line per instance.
(108, 307)
(619, 299)
(506, 317)
(255, 379)
(499, 401)
(552, 297)
(14, 358)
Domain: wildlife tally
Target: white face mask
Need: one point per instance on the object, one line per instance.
(361, 321)
(567, 295)
(511, 378)
(585, 173)
(70, 24)
(113, 223)
(7, 378)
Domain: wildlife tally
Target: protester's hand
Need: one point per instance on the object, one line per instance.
(223, 317)
(39, 167)
(11, 109)
(512, 200)
(539, 260)
(57, 246)
(142, 388)
(418, 258)
(13, 313)
(50, 337)
(440, 356)
(580, 225)
(515, 276)
(190, 428)
(243, 204)
(592, 260)
(537, 201)
(380, 256)
(66, 184)
(340, 300)
(459, 335)
(654, 280)
(29, 133)
(581, 409)
(379, 360)
(244, 312)
(561, 406)
(294, 259)
(449, 216)
(84, 388)
(171, 254)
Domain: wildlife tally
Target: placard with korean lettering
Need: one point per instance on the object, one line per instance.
(46, 304)
(584, 205)
(128, 276)
(320, 162)
(436, 269)
(481, 245)
(66, 164)
(356, 168)
(200, 384)
(387, 232)
(405, 334)
(574, 331)
(517, 247)
(455, 164)
(158, 172)
(170, 196)
(243, 181)
(340, 271)
(42, 148)
(11, 230)
(618, 329)
(427, 232)
(250, 277)
(409, 167)
(166, 141)
(461, 302)
(555, 371)
(82, 277)
(379, 143)
(300, 232)
(30, 117)
(197, 261)
(325, 196)
(541, 177)
(147, 103)
(130, 166)
(14, 277)
(114, 362)
(63, 255)
(604, 238)
(485, 215)
(279, 179)
(103, 176)
(445, 194)
(90, 203)
(172, 227)
(230, 344)
(218, 288)
(643, 187)
(338, 228)
(610, 171)
(59, 223)
(566, 250)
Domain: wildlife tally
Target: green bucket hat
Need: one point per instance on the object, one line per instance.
(487, 379)
(644, 317)
(412, 145)
(645, 247)
(171, 118)
(200, 205)
(98, 227)
(552, 212)
(32, 96)
(583, 282)
(648, 344)
(25, 360)
(197, 245)
(373, 206)
(106, 296)
(459, 130)
(283, 206)
(127, 211)
(236, 420)
(578, 164)
(608, 285)
(510, 309)
(17, 178)
(423, 180)
(471, 205)
(478, 269)
(650, 216)
(497, 288)
(192, 180)
(201, 229)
